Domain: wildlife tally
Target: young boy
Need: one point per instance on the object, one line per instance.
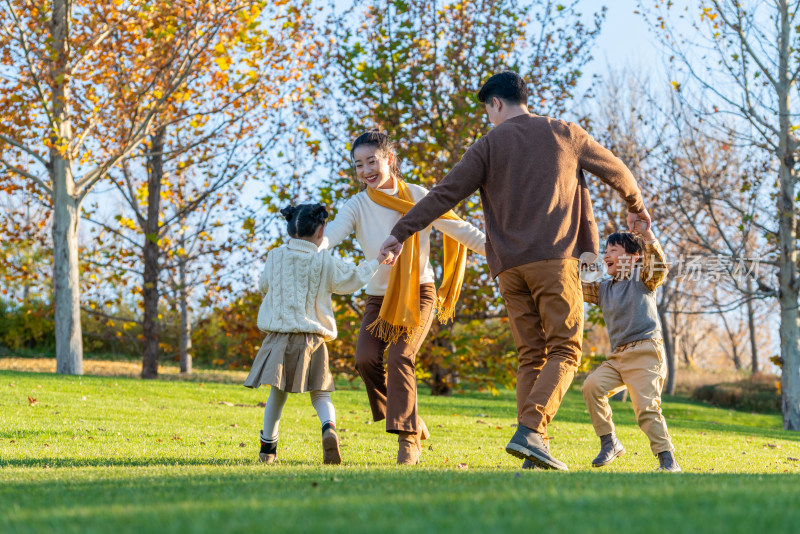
(628, 302)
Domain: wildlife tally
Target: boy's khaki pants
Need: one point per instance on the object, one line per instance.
(544, 301)
(640, 366)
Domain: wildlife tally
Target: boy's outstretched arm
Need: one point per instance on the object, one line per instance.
(591, 292)
(654, 265)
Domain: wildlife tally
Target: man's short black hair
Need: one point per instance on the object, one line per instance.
(507, 85)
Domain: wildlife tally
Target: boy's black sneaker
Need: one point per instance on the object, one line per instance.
(610, 449)
(667, 462)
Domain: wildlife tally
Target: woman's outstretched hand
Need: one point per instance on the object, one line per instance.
(391, 249)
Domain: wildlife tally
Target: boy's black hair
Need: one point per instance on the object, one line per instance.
(627, 240)
(507, 85)
(304, 220)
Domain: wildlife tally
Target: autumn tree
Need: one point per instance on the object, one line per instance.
(739, 72)
(86, 83)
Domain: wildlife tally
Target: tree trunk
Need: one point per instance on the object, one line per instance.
(66, 286)
(150, 252)
(787, 234)
(751, 324)
(669, 351)
(66, 206)
(186, 322)
(737, 362)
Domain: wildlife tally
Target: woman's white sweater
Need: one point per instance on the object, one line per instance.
(297, 282)
(372, 224)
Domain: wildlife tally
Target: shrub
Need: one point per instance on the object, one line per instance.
(759, 393)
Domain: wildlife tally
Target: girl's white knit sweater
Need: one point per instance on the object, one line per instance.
(372, 224)
(297, 282)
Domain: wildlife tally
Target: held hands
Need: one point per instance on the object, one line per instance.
(641, 224)
(385, 258)
(390, 250)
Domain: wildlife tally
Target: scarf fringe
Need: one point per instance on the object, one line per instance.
(445, 312)
(392, 333)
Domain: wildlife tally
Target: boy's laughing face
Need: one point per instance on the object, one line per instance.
(618, 262)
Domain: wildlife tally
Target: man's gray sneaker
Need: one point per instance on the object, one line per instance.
(529, 445)
(610, 449)
(667, 462)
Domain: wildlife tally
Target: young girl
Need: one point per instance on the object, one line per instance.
(400, 300)
(297, 282)
(628, 302)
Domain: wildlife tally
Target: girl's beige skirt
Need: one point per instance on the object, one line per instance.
(295, 363)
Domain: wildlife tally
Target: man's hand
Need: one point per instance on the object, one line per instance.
(392, 249)
(642, 216)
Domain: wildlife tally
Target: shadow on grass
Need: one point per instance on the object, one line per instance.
(395, 500)
(69, 462)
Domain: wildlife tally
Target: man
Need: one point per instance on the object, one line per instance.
(529, 170)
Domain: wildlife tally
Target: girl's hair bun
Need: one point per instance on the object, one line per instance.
(305, 219)
(288, 212)
(319, 213)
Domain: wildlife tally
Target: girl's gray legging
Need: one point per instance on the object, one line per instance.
(321, 400)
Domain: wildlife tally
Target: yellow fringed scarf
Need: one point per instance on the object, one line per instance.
(400, 313)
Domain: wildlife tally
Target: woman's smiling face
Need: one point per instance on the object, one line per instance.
(373, 167)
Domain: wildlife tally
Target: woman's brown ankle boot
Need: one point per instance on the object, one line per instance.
(408, 451)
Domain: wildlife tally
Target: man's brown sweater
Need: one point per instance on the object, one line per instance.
(535, 201)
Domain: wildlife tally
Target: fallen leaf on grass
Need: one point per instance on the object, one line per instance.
(32, 401)
(234, 425)
(12, 385)
(158, 440)
(242, 444)
(462, 466)
(176, 437)
(480, 422)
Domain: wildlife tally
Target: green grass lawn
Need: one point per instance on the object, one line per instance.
(121, 455)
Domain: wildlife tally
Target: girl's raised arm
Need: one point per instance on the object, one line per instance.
(342, 226)
(347, 277)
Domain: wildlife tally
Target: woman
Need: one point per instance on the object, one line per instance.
(401, 300)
